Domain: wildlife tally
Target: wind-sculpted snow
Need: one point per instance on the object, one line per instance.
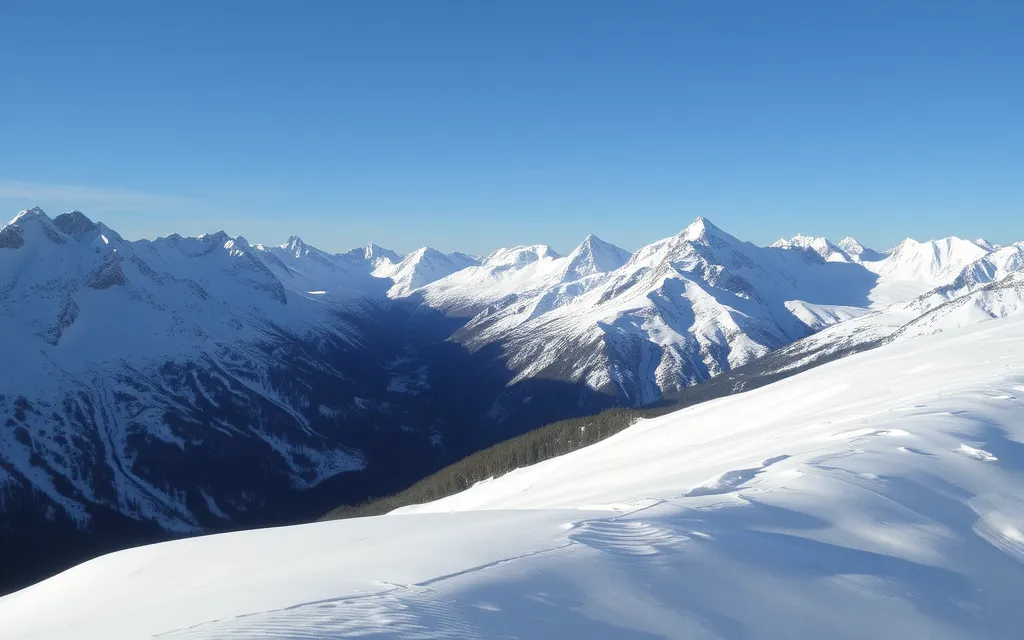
(874, 497)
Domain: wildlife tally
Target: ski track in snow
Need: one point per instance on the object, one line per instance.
(872, 497)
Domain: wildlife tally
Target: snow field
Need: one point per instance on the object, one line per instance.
(876, 496)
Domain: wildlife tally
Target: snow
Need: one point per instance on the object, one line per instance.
(672, 314)
(998, 299)
(420, 268)
(503, 273)
(858, 252)
(639, 325)
(819, 316)
(822, 247)
(876, 496)
(692, 306)
(370, 271)
(89, 309)
(913, 267)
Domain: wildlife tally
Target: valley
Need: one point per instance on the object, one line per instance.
(165, 388)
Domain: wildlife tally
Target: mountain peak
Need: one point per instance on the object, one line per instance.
(464, 257)
(851, 244)
(295, 245)
(375, 252)
(520, 255)
(801, 241)
(74, 223)
(217, 237)
(420, 268)
(903, 245)
(704, 232)
(594, 255)
(814, 245)
(702, 229)
(214, 241)
(927, 260)
(28, 214)
(858, 252)
(942, 245)
(423, 252)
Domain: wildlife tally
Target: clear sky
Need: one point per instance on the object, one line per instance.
(475, 124)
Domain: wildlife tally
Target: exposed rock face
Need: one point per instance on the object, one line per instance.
(74, 224)
(12, 238)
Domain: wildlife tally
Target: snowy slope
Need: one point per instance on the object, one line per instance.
(999, 299)
(874, 497)
(984, 289)
(502, 274)
(994, 266)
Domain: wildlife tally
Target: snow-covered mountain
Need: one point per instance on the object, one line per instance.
(190, 383)
(821, 246)
(857, 252)
(369, 271)
(421, 267)
(985, 289)
(674, 313)
(137, 363)
(875, 497)
(502, 274)
(375, 255)
(912, 267)
(687, 308)
(1000, 298)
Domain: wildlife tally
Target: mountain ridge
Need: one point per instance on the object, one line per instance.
(155, 374)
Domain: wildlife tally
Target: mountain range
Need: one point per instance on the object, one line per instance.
(191, 384)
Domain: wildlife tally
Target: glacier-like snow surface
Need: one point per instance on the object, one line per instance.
(878, 496)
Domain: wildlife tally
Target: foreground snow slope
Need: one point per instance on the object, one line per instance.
(879, 496)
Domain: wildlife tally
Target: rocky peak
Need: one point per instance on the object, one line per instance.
(75, 224)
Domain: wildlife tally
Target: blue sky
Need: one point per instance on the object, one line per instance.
(471, 125)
